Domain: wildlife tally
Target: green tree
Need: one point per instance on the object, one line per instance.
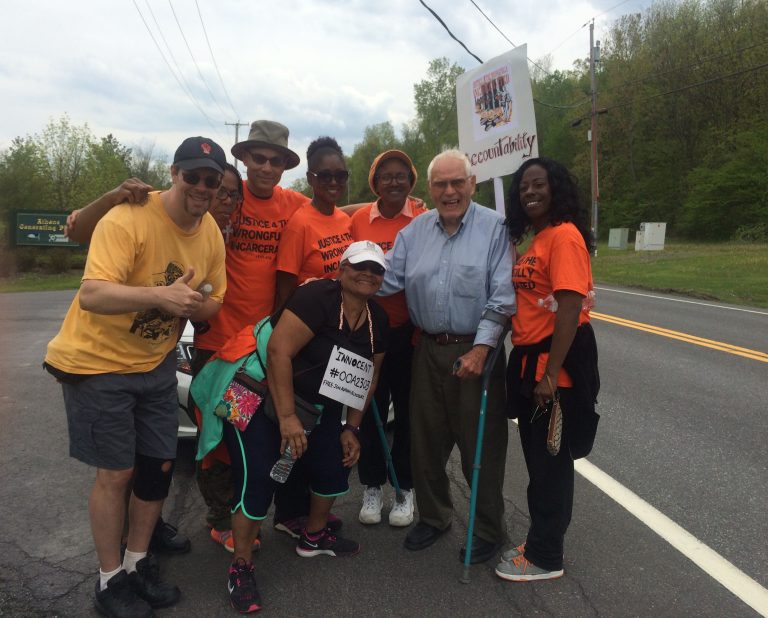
(64, 149)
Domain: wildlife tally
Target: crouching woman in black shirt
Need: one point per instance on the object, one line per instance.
(326, 347)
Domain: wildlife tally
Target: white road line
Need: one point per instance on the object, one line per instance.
(680, 300)
(707, 559)
(738, 582)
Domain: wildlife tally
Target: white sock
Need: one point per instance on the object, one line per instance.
(105, 577)
(131, 558)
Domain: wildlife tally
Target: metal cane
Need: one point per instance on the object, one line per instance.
(490, 361)
(387, 452)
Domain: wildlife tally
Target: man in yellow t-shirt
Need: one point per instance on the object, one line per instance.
(147, 268)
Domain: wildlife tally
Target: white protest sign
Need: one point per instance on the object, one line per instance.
(347, 378)
(497, 124)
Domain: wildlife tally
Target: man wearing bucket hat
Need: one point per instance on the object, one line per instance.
(251, 284)
(392, 177)
(114, 357)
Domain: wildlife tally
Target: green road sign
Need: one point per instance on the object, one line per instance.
(41, 229)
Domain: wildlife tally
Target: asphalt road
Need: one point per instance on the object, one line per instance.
(682, 427)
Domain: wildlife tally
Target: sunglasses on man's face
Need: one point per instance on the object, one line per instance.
(325, 178)
(211, 181)
(260, 159)
(371, 267)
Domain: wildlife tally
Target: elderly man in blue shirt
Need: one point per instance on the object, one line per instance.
(455, 266)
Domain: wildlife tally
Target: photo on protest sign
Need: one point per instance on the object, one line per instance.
(497, 124)
(494, 100)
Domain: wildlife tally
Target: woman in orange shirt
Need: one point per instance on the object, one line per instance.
(317, 235)
(554, 355)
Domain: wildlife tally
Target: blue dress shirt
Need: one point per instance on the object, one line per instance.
(451, 280)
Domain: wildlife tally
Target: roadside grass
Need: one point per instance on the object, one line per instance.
(730, 272)
(39, 282)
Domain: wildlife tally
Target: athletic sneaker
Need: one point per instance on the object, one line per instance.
(243, 594)
(225, 539)
(294, 527)
(521, 570)
(402, 512)
(370, 513)
(325, 543)
(509, 554)
(118, 600)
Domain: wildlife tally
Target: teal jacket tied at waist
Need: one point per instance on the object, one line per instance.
(211, 383)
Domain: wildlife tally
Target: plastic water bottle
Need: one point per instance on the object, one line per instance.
(283, 466)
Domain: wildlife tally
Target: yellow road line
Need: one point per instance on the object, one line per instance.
(672, 334)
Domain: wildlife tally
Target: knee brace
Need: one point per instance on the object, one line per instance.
(151, 481)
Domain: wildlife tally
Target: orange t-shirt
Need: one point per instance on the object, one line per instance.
(313, 243)
(251, 259)
(556, 260)
(369, 224)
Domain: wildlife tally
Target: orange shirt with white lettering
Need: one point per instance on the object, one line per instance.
(369, 224)
(313, 243)
(251, 258)
(557, 259)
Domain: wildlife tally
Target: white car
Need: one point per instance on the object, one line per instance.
(187, 426)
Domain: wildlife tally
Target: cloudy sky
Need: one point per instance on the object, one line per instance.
(322, 67)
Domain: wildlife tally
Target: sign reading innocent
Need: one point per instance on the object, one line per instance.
(347, 378)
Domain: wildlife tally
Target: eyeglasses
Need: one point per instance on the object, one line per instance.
(224, 194)
(325, 178)
(212, 181)
(388, 179)
(371, 267)
(260, 159)
(456, 183)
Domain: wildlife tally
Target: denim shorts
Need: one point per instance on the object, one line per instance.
(113, 417)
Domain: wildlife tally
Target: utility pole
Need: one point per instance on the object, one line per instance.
(594, 57)
(237, 124)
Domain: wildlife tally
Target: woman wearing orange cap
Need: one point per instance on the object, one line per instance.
(392, 177)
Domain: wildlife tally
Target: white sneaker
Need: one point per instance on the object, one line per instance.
(402, 512)
(371, 511)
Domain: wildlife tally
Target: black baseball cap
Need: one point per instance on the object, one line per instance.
(197, 152)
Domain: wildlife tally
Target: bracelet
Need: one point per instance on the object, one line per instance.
(349, 427)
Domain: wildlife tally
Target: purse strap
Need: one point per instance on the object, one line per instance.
(261, 362)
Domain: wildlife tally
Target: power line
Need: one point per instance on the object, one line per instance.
(507, 38)
(448, 30)
(492, 24)
(199, 72)
(187, 87)
(584, 25)
(162, 55)
(221, 80)
(552, 105)
(685, 66)
(688, 87)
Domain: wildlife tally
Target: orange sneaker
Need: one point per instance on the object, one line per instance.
(224, 538)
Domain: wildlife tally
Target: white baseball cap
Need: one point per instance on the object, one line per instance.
(364, 251)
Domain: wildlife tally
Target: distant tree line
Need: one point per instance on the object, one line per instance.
(65, 167)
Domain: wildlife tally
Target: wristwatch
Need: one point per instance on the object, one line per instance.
(349, 427)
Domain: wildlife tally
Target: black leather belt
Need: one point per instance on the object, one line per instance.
(449, 338)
